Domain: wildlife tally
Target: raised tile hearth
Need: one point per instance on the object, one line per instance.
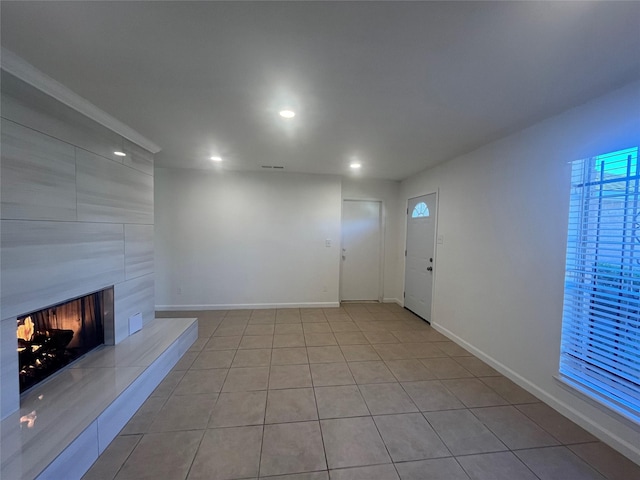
(65, 423)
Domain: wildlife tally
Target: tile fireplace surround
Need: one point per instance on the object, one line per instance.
(75, 217)
(64, 423)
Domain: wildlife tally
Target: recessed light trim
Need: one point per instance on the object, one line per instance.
(355, 165)
(120, 154)
(215, 158)
(287, 113)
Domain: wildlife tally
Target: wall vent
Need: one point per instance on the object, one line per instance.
(275, 167)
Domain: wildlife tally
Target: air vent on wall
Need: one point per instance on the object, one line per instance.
(276, 167)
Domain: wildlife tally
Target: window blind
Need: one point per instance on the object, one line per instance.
(600, 347)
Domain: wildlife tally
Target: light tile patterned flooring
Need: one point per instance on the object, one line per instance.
(366, 391)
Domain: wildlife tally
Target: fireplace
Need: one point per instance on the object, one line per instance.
(52, 338)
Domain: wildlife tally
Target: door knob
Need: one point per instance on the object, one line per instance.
(429, 269)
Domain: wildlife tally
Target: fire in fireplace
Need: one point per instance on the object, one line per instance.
(50, 339)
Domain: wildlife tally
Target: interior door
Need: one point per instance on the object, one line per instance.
(360, 272)
(419, 261)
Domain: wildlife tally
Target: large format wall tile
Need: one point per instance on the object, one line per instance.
(28, 106)
(75, 218)
(44, 263)
(131, 297)
(137, 157)
(9, 393)
(111, 192)
(38, 175)
(138, 250)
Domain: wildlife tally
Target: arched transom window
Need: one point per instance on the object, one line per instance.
(420, 210)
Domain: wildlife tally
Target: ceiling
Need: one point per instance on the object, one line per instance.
(400, 86)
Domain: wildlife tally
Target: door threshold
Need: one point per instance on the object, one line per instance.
(421, 318)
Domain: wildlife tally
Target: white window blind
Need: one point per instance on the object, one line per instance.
(600, 349)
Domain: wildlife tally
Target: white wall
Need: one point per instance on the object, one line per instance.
(500, 271)
(388, 192)
(246, 239)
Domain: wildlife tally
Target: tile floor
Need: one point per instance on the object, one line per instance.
(366, 391)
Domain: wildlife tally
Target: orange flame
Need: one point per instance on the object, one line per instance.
(25, 332)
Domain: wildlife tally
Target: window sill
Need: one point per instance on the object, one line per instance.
(602, 403)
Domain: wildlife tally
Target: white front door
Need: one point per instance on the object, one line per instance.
(360, 273)
(419, 261)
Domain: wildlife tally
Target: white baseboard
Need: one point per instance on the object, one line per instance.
(607, 436)
(244, 306)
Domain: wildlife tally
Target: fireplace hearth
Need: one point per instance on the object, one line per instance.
(52, 338)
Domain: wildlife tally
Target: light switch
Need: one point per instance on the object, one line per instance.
(440, 239)
(327, 242)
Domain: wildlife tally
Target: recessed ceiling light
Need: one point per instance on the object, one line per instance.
(355, 165)
(120, 154)
(287, 113)
(216, 159)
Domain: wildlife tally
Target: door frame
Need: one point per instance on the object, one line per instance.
(435, 247)
(382, 226)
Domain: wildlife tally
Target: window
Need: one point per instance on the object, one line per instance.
(420, 210)
(600, 349)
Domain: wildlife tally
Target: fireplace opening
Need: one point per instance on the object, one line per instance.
(52, 338)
